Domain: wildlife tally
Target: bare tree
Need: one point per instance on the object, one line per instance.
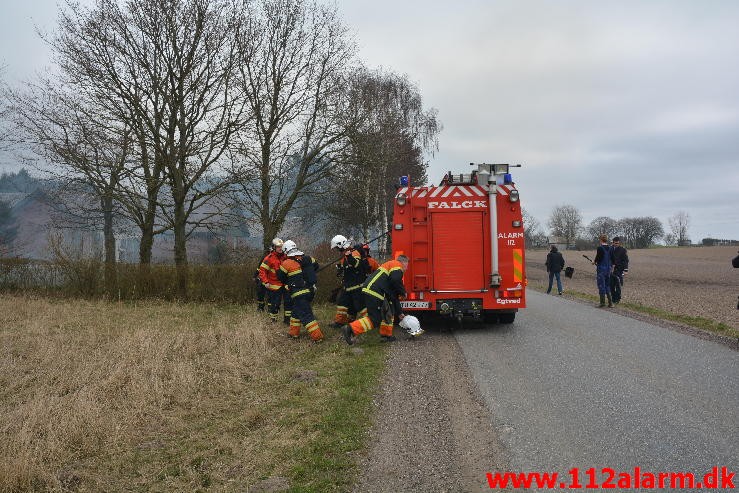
(679, 225)
(293, 59)
(640, 232)
(165, 67)
(533, 234)
(602, 225)
(5, 141)
(566, 222)
(389, 131)
(84, 154)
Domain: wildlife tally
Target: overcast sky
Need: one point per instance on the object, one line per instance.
(620, 108)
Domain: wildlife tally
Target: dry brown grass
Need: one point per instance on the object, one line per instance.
(97, 396)
(690, 281)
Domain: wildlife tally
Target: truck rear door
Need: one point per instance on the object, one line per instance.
(457, 246)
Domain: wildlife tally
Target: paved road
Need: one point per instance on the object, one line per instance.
(570, 385)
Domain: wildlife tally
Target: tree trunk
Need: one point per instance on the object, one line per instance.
(111, 274)
(180, 236)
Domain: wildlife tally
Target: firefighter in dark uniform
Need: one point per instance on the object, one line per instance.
(385, 285)
(372, 264)
(298, 274)
(276, 292)
(260, 290)
(353, 270)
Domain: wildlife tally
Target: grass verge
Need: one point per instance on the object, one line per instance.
(698, 322)
(156, 396)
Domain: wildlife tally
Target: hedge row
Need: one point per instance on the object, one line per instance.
(232, 283)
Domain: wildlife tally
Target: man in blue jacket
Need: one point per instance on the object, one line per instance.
(603, 271)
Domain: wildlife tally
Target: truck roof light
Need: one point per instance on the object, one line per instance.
(401, 199)
(513, 196)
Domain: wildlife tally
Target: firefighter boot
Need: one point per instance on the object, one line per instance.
(610, 303)
(602, 301)
(348, 334)
(314, 331)
(286, 320)
(294, 331)
(260, 306)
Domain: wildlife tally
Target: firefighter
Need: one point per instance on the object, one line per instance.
(298, 274)
(276, 293)
(353, 270)
(260, 290)
(372, 264)
(383, 287)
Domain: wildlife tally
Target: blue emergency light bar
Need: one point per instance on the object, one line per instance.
(403, 181)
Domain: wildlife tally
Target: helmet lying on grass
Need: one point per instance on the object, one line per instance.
(411, 325)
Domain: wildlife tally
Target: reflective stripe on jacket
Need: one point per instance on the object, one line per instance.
(354, 270)
(298, 274)
(268, 270)
(386, 281)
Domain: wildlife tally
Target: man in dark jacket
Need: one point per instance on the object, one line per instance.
(620, 261)
(555, 263)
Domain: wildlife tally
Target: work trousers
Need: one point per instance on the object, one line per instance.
(615, 285)
(275, 298)
(373, 318)
(302, 314)
(349, 305)
(261, 293)
(603, 279)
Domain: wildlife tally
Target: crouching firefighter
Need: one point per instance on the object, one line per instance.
(353, 269)
(383, 287)
(298, 274)
(276, 292)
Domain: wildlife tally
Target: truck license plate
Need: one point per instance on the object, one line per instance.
(415, 304)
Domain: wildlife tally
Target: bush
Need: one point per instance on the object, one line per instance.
(231, 283)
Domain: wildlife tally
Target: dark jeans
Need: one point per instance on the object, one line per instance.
(617, 280)
(552, 275)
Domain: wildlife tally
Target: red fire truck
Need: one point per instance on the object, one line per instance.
(465, 242)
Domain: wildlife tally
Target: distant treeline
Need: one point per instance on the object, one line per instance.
(718, 242)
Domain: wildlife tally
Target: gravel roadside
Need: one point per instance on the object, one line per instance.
(432, 431)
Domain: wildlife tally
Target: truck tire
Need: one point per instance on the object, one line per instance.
(490, 317)
(506, 318)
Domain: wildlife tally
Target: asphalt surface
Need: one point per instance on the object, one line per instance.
(571, 385)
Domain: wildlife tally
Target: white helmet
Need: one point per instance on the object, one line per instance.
(411, 325)
(339, 241)
(294, 253)
(289, 245)
(276, 243)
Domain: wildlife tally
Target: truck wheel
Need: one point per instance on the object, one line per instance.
(506, 318)
(490, 317)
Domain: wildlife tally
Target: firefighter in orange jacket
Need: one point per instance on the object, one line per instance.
(386, 283)
(353, 270)
(298, 273)
(276, 291)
